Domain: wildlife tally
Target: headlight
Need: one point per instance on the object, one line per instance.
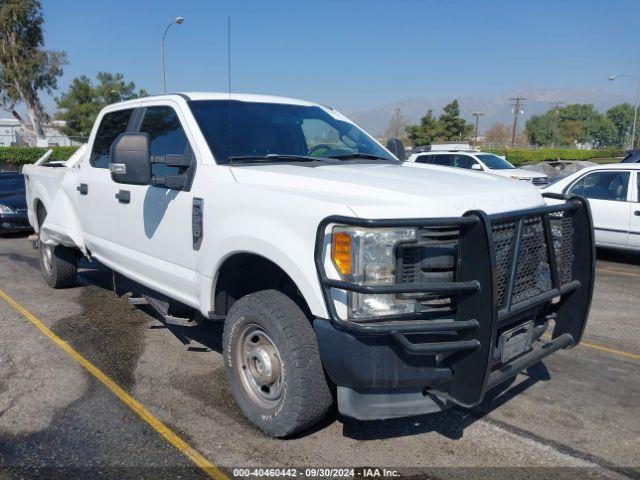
(367, 256)
(4, 210)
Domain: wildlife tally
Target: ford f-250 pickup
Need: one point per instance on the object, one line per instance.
(341, 273)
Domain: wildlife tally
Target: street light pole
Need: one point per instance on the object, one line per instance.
(635, 116)
(635, 113)
(177, 21)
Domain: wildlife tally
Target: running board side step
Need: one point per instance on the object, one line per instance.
(162, 307)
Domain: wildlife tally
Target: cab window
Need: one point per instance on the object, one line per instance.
(444, 160)
(425, 159)
(602, 186)
(166, 137)
(112, 125)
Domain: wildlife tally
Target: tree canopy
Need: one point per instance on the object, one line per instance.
(80, 104)
(447, 127)
(622, 118)
(26, 69)
(580, 123)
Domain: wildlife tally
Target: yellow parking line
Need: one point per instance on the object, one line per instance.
(602, 348)
(209, 468)
(618, 272)
(610, 350)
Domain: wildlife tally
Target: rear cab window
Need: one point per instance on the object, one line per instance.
(112, 125)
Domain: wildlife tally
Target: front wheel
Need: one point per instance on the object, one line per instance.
(59, 264)
(273, 364)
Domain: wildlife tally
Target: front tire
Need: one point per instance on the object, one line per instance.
(59, 264)
(273, 364)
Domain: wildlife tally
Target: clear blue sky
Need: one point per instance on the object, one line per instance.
(352, 54)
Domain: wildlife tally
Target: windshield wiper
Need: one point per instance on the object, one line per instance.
(273, 157)
(369, 156)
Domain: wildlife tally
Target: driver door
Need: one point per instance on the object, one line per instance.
(607, 192)
(156, 240)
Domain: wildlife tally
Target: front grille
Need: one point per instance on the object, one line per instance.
(540, 181)
(562, 232)
(432, 259)
(533, 271)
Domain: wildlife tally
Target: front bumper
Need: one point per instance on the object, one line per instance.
(431, 362)
(14, 223)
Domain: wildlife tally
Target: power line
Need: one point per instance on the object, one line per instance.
(557, 104)
(518, 109)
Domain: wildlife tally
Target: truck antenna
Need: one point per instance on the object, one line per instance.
(229, 53)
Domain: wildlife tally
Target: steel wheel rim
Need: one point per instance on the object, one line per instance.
(260, 366)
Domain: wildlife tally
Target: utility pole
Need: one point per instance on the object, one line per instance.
(477, 115)
(518, 109)
(397, 123)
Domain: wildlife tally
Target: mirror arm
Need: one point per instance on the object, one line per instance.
(172, 160)
(173, 182)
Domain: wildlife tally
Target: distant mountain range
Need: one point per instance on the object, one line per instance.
(497, 109)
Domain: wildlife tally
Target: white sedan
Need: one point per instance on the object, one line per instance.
(613, 191)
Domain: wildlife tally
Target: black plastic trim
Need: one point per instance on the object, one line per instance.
(466, 343)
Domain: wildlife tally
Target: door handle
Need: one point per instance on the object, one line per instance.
(83, 188)
(123, 196)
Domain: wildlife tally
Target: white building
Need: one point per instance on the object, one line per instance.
(12, 134)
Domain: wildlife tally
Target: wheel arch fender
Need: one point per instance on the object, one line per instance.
(293, 263)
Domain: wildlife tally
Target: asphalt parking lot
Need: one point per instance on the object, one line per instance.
(577, 414)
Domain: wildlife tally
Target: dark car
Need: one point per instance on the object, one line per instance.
(13, 203)
(633, 156)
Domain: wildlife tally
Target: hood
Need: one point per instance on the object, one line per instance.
(518, 172)
(13, 200)
(406, 190)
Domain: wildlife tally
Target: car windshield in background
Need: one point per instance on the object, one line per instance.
(494, 162)
(278, 132)
(11, 184)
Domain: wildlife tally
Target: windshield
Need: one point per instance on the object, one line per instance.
(494, 162)
(235, 129)
(11, 183)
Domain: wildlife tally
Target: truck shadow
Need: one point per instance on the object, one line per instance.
(618, 256)
(451, 423)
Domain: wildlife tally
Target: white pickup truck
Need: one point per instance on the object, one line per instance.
(340, 272)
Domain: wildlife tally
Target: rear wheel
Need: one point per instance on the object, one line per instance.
(273, 364)
(59, 264)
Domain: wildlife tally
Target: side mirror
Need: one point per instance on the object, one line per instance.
(131, 159)
(396, 147)
(476, 166)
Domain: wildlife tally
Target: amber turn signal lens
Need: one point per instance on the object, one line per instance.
(342, 252)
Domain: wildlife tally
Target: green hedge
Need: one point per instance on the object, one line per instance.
(522, 156)
(22, 155)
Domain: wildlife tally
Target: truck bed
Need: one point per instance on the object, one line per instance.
(51, 188)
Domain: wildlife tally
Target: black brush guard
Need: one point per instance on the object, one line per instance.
(489, 295)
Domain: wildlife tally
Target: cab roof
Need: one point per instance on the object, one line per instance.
(242, 97)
